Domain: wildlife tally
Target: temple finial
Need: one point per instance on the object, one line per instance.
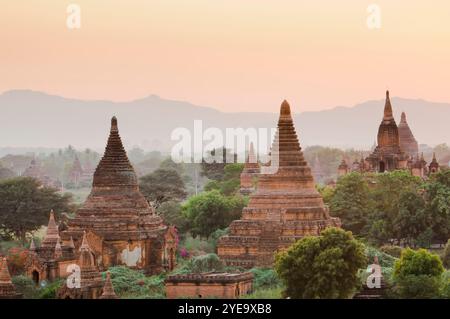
(388, 115)
(403, 118)
(285, 108)
(5, 277)
(114, 127)
(108, 289)
(84, 243)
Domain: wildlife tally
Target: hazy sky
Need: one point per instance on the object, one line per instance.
(229, 54)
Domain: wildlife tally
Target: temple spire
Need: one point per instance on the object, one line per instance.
(285, 109)
(32, 245)
(251, 154)
(114, 127)
(52, 234)
(108, 289)
(84, 243)
(5, 277)
(388, 115)
(403, 118)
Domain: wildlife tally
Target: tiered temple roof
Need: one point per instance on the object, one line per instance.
(7, 289)
(285, 206)
(108, 289)
(408, 143)
(115, 208)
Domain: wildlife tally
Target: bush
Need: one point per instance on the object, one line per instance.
(133, 284)
(265, 278)
(49, 291)
(394, 251)
(200, 264)
(25, 286)
(271, 293)
(418, 287)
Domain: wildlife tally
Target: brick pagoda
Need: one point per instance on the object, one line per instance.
(7, 289)
(285, 206)
(250, 172)
(121, 226)
(408, 142)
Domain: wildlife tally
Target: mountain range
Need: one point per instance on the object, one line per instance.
(30, 119)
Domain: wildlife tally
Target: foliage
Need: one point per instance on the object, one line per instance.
(230, 183)
(201, 264)
(384, 259)
(25, 205)
(417, 274)
(325, 266)
(25, 286)
(213, 167)
(171, 213)
(265, 278)
(197, 245)
(133, 284)
(215, 236)
(210, 211)
(162, 185)
(446, 255)
(17, 257)
(351, 202)
(392, 250)
(50, 290)
(270, 293)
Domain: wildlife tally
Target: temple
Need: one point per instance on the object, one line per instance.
(250, 173)
(87, 281)
(108, 289)
(388, 155)
(408, 142)
(7, 289)
(50, 260)
(122, 228)
(284, 207)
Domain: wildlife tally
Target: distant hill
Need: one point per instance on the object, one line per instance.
(30, 119)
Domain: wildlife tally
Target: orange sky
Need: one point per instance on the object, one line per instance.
(233, 55)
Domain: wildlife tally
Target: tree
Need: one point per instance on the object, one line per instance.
(215, 169)
(162, 185)
(351, 202)
(412, 220)
(25, 205)
(230, 183)
(210, 211)
(417, 274)
(325, 266)
(437, 195)
(6, 173)
(446, 255)
(171, 213)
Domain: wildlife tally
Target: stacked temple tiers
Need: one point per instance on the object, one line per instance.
(284, 207)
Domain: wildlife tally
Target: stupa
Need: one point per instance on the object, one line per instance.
(108, 289)
(122, 228)
(408, 143)
(7, 289)
(284, 208)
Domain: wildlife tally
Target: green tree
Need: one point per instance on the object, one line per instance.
(446, 255)
(230, 183)
(325, 266)
(25, 205)
(171, 213)
(351, 202)
(210, 211)
(417, 274)
(437, 195)
(213, 167)
(162, 185)
(412, 220)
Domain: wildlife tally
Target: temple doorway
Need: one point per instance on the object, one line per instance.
(35, 277)
(382, 167)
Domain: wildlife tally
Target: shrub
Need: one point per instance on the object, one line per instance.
(203, 263)
(25, 286)
(446, 255)
(385, 260)
(265, 278)
(49, 291)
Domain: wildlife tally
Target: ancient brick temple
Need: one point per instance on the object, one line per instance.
(388, 155)
(50, 260)
(7, 289)
(121, 227)
(408, 142)
(108, 289)
(86, 281)
(209, 285)
(250, 173)
(285, 206)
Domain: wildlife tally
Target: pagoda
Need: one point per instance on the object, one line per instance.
(7, 289)
(284, 207)
(108, 288)
(408, 143)
(250, 172)
(121, 226)
(89, 283)
(388, 154)
(76, 172)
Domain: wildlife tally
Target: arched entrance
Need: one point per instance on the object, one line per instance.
(35, 276)
(382, 167)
